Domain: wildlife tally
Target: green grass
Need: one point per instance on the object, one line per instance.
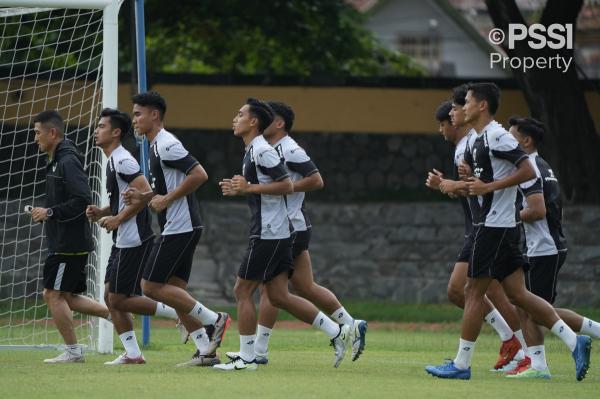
(300, 367)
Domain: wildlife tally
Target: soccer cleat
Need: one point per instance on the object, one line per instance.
(66, 357)
(528, 372)
(508, 350)
(341, 343)
(217, 331)
(259, 359)
(184, 335)
(581, 355)
(124, 359)
(358, 338)
(449, 370)
(237, 364)
(201, 360)
(522, 365)
(507, 368)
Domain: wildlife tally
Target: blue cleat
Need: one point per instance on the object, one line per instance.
(449, 370)
(358, 338)
(581, 355)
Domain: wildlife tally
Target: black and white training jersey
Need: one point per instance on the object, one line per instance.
(544, 237)
(269, 213)
(122, 169)
(298, 165)
(459, 156)
(492, 155)
(170, 162)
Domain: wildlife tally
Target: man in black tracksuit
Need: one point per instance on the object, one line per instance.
(67, 233)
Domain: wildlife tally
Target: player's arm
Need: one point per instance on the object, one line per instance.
(194, 178)
(298, 161)
(77, 190)
(271, 165)
(534, 193)
(94, 213)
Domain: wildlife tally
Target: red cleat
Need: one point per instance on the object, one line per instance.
(508, 350)
(523, 365)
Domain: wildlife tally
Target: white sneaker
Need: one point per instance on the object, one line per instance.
(201, 360)
(358, 338)
(237, 364)
(66, 357)
(124, 359)
(184, 335)
(259, 359)
(341, 343)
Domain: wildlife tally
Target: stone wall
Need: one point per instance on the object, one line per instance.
(401, 252)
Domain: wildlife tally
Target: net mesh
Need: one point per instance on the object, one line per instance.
(49, 59)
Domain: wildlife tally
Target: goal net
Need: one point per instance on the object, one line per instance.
(50, 58)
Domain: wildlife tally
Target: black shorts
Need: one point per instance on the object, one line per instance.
(265, 259)
(66, 273)
(467, 249)
(172, 255)
(301, 241)
(496, 253)
(542, 275)
(125, 266)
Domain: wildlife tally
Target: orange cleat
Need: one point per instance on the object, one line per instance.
(508, 350)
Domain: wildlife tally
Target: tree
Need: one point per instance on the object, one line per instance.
(572, 144)
(277, 37)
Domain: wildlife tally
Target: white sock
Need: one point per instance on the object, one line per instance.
(521, 355)
(341, 316)
(538, 357)
(590, 327)
(497, 322)
(204, 314)
(201, 340)
(325, 324)
(521, 338)
(562, 331)
(247, 347)
(130, 344)
(464, 355)
(263, 334)
(75, 350)
(165, 311)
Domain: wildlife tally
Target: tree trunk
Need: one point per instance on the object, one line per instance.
(571, 144)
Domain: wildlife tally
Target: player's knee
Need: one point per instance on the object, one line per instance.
(116, 302)
(242, 291)
(150, 289)
(456, 295)
(107, 299)
(279, 300)
(51, 296)
(516, 297)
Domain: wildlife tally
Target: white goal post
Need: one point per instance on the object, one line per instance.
(72, 84)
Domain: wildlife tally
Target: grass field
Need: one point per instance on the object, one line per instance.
(300, 367)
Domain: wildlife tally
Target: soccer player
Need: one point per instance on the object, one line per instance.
(546, 248)
(498, 165)
(268, 259)
(176, 175)
(132, 235)
(454, 129)
(67, 233)
(305, 177)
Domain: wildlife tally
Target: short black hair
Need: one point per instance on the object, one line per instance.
(529, 127)
(53, 118)
(443, 112)
(153, 100)
(261, 111)
(118, 120)
(486, 91)
(285, 112)
(459, 93)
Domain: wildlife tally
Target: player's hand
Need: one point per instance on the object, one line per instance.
(433, 179)
(476, 187)
(159, 203)
(93, 213)
(239, 184)
(132, 196)
(464, 170)
(39, 214)
(110, 223)
(227, 188)
(447, 186)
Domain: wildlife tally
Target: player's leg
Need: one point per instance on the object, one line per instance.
(457, 283)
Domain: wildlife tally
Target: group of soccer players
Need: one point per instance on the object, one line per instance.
(514, 245)
(276, 173)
